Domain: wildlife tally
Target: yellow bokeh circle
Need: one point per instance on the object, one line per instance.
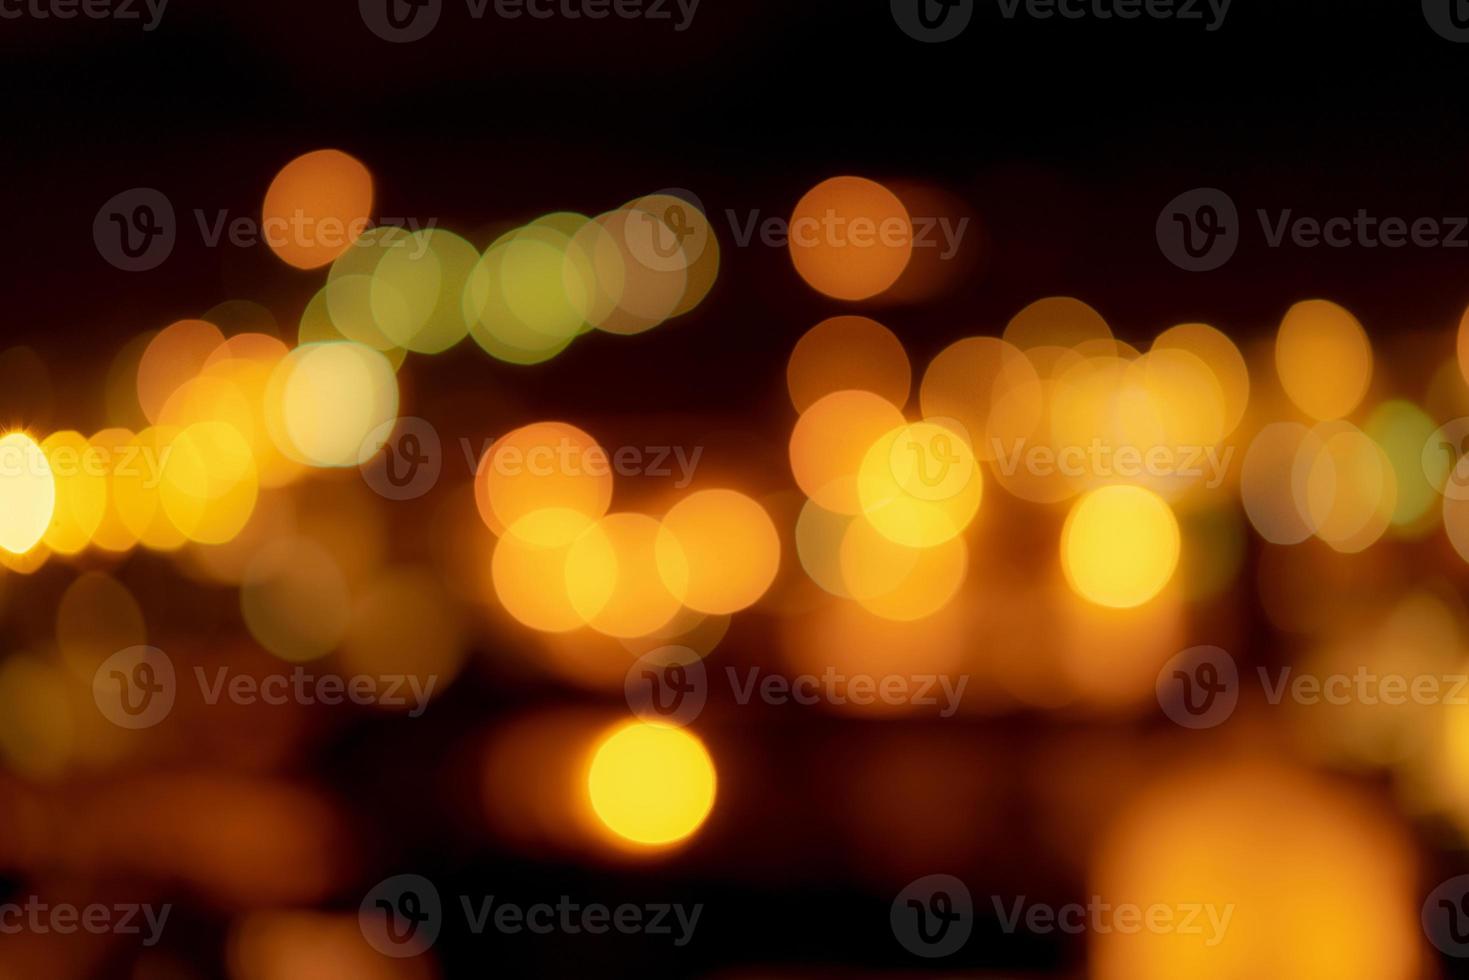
(1120, 546)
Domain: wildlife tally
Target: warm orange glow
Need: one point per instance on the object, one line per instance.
(851, 238)
(1324, 359)
(718, 551)
(1259, 843)
(316, 207)
(546, 466)
(830, 441)
(612, 577)
(173, 357)
(848, 352)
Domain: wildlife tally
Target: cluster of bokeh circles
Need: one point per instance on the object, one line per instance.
(1149, 460)
(563, 564)
(1056, 410)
